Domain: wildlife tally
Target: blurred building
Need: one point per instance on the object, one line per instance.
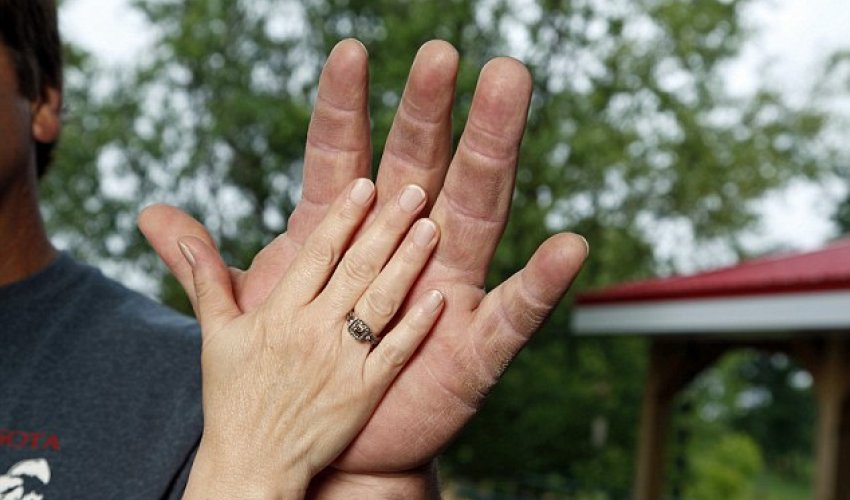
(798, 304)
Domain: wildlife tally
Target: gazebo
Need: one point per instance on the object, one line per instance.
(798, 304)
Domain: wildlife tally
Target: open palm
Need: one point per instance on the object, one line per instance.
(478, 334)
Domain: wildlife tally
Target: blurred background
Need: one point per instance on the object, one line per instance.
(676, 136)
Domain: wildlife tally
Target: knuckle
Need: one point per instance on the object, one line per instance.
(264, 333)
(351, 215)
(393, 355)
(271, 318)
(412, 254)
(531, 317)
(536, 315)
(321, 252)
(392, 221)
(525, 315)
(535, 310)
(203, 290)
(267, 321)
(348, 216)
(304, 344)
(381, 304)
(417, 321)
(396, 223)
(358, 268)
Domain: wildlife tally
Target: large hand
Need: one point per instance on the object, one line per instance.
(478, 334)
(338, 150)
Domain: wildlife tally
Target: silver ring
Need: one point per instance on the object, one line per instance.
(359, 329)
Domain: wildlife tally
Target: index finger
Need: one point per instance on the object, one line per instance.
(338, 150)
(339, 147)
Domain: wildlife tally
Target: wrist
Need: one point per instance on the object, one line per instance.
(416, 484)
(224, 475)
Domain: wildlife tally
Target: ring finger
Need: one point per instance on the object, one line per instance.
(384, 296)
(362, 263)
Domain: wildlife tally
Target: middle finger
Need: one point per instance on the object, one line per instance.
(365, 259)
(418, 147)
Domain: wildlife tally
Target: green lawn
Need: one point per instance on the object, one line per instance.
(770, 486)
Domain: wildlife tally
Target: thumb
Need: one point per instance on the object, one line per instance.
(511, 313)
(211, 282)
(162, 226)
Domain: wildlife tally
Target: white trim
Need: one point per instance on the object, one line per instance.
(751, 313)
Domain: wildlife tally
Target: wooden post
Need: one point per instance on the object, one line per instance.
(832, 442)
(842, 486)
(673, 363)
(654, 420)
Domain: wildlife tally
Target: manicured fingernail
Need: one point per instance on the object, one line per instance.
(411, 198)
(187, 252)
(432, 301)
(424, 232)
(361, 193)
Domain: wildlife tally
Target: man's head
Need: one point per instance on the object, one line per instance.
(29, 42)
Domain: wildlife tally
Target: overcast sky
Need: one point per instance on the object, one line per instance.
(793, 38)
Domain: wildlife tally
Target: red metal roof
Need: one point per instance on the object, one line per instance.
(820, 270)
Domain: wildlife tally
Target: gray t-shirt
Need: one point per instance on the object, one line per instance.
(100, 391)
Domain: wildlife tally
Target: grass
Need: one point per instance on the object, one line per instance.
(771, 486)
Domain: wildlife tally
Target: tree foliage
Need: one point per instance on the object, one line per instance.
(759, 394)
(835, 83)
(724, 469)
(631, 129)
(842, 216)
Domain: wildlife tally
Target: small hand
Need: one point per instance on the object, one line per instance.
(286, 387)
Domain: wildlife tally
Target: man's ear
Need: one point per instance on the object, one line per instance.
(47, 116)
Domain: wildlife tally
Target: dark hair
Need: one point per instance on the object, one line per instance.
(29, 31)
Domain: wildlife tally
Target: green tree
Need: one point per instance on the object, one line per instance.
(762, 395)
(781, 421)
(842, 216)
(834, 83)
(631, 128)
(725, 469)
(641, 136)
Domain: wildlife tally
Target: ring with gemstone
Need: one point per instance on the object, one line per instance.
(359, 329)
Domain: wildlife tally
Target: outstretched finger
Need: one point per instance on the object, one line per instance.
(389, 357)
(384, 296)
(367, 256)
(339, 147)
(418, 147)
(321, 252)
(473, 206)
(211, 282)
(513, 311)
(338, 150)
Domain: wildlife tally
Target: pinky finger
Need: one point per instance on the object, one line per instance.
(389, 357)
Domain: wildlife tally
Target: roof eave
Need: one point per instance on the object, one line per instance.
(754, 314)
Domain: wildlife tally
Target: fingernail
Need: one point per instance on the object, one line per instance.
(432, 301)
(424, 232)
(361, 193)
(411, 198)
(187, 252)
(586, 244)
